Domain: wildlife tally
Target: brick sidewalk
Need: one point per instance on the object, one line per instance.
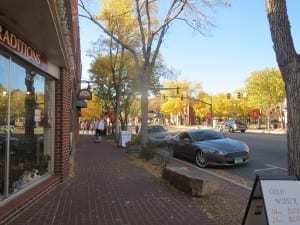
(107, 189)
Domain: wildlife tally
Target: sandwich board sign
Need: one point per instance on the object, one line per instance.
(274, 200)
(125, 137)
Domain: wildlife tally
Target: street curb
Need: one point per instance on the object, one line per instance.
(214, 174)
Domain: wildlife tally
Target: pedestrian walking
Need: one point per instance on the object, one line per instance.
(137, 129)
(82, 126)
(87, 126)
(92, 127)
(99, 129)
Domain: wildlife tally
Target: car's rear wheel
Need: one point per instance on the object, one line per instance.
(231, 130)
(200, 159)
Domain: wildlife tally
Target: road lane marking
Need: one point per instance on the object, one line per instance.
(271, 167)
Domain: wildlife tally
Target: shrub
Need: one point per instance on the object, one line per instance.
(136, 140)
(148, 152)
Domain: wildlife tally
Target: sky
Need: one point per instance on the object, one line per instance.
(239, 44)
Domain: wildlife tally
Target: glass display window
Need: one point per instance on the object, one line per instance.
(26, 121)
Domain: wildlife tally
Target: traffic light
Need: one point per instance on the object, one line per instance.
(239, 94)
(228, 95)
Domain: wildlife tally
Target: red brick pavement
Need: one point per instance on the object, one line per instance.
(108, 190)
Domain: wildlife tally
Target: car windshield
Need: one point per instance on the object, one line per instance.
(154, 129)
(239, 122)
(204, 135)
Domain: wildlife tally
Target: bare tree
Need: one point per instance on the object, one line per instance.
(289, 63)
(152, 28)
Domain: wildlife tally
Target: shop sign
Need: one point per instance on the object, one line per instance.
(125, 138)
(37, 115)
(85, 94)
(208, 116)
(274, 200)
(13, 43)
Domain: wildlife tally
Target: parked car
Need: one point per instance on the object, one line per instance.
(275, 124)
(5, 128)
(209, 147)
(14, 142)
(158, 134)
(233, 125)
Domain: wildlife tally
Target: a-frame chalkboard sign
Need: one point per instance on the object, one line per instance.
(274, 200)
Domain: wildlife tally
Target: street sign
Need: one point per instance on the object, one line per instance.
(255, 114)
(125, 137)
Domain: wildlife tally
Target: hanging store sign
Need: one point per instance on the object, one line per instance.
(13, 43)
(85, 94)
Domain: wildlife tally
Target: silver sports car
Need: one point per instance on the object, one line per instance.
(209, 147)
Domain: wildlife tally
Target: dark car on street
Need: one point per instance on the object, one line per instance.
(158, 134)
(14, 142)
(209, 147)
(233, 125)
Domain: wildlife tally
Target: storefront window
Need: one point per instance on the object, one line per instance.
(25, 126)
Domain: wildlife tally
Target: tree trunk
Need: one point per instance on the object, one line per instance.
(116, 116)
(29, 105)
(293, 110)
(289, 64)
(144, 106)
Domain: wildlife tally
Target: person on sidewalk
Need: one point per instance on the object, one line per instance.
(99, 129)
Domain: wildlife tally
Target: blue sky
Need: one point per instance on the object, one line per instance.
(238, 45)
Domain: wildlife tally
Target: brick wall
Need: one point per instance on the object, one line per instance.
(62, 125)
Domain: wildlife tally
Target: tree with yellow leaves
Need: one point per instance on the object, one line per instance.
(149, 22)
(265, 90)
(175, 104)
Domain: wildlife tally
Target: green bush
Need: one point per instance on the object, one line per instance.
(148, 152)
(136, 140)
(110, 137)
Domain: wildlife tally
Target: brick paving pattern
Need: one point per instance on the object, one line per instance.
(108, 190)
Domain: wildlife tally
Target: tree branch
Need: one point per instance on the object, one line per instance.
(93, 18)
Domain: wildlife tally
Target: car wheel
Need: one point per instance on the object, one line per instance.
(243, 131)
(201, 160)
(231, 130)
